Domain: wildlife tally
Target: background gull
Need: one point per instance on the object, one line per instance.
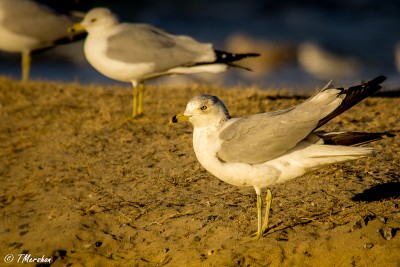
(397, 56)
(137, 52)
(324, 64)
(27, 26)
(272, 148)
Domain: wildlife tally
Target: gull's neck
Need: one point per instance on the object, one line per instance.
(216, 121)
(102, 30)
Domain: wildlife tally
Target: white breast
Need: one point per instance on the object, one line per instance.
(206, 145)
(95, 51)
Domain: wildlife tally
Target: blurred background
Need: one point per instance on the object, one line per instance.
(304, 44)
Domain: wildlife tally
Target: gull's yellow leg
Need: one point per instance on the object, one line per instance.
(268, 200)
(259, 216)
(140, 102)
(135, 93)
(26, 64)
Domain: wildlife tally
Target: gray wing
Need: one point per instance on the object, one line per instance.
(142, 43)
(34, 20)
(263, 137)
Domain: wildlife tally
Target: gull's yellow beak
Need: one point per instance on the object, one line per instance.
(178, 118)
(77, 27)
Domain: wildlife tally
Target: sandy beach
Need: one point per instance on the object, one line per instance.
(82, 184)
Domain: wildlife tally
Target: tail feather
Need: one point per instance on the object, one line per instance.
(336, 154)
(314, 157)
(71, 38)
(345, 153)
(61, 41)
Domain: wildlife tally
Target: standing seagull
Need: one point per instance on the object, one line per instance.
(134, 53)
(27, 26)
(272, 148)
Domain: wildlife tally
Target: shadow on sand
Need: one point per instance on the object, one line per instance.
(379, 192)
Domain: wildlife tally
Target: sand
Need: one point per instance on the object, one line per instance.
(82, 184)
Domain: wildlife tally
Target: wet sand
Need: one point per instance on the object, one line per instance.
(85, 185)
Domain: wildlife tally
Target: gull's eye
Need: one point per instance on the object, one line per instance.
(203, 107)
(93, 20)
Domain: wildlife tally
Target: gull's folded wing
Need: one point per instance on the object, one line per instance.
(263, 137)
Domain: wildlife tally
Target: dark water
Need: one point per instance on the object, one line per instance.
(365, 29)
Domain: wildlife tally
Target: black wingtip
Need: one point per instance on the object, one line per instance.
(252, 54)
(354, 95)
(366, 88)
(377, 80)
(352, 138)
(226, 57)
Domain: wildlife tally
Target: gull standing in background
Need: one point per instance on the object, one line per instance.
(131, 52)
(275, 147)
(27, 26)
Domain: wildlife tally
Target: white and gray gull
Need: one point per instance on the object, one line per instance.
(271, 148)
(27, 26)
(135, 52)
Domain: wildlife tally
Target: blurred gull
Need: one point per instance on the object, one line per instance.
(326, 65)
(27, 26)
(274, 55)
(275, 147)
(397, 56)
(137, 52)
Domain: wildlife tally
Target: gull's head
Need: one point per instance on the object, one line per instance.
(203, 111)
(97, 19)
